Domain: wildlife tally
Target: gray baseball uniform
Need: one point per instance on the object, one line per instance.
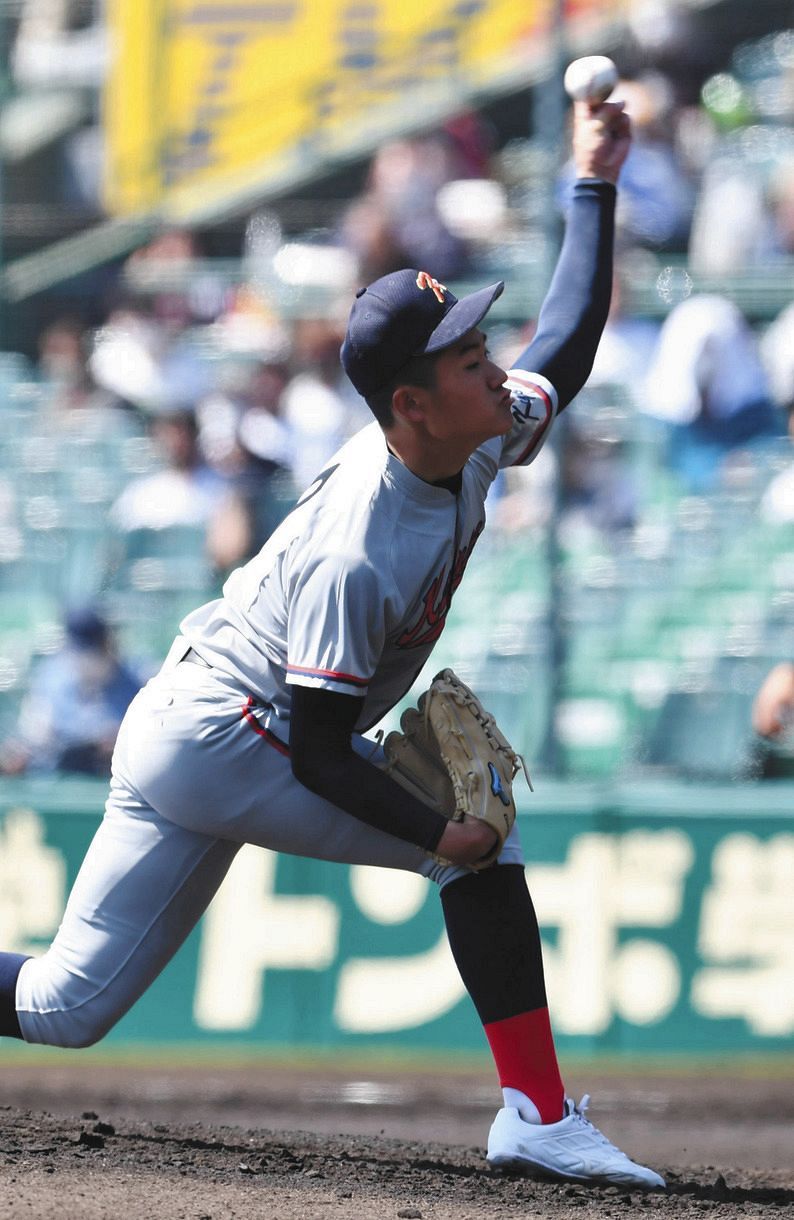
(350, 594)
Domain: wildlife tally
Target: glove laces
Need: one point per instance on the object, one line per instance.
(461, 692)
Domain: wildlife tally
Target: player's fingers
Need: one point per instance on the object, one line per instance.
(605, 111)
(620, 125)
(604, 118)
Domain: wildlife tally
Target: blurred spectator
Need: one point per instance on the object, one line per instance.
(60, 42)
(63, 368)
(367, 233)
(317, 403)
(249, 328)
(671, 39)
(186, 492)
(170, 271)
(597, 493)
(745, 208)
(584, 479)
(773, 709)
(243, 435)
(74, 704)
(708, 385)
(143, 362)
(472, 144)
(149, 353)
(777, 354)
(396, 222)
(243, 415)
(656, 192)
(522, 498)
(59, 55)
(777, 502)
(627, 343)
(781, 196)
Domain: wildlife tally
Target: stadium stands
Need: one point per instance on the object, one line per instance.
(643, 654)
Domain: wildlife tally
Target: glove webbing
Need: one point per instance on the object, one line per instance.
(492, 732)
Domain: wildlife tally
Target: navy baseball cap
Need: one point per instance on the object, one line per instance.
(405, 314)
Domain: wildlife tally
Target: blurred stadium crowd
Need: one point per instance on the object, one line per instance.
(639, 579)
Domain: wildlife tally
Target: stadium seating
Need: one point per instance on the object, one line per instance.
(634, 650)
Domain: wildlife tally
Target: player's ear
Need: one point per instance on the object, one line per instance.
(407, 403)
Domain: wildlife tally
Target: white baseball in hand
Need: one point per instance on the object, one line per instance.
(590, 79)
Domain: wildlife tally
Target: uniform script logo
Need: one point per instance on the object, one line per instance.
(438, 599)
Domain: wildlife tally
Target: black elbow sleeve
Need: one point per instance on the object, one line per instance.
(306, 768)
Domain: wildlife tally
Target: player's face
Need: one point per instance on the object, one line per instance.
(469, 402)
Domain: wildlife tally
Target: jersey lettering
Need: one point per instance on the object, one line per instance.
(526, 408)
(438, 599)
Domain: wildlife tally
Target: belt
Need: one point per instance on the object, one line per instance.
(193, 657)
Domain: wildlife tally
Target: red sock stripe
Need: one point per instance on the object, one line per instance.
(523, 1050)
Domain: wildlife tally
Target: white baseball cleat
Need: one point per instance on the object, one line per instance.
(572, 1148)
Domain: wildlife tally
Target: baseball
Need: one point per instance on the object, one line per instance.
(590, 79)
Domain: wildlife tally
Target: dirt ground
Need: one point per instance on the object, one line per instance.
(93, 1141)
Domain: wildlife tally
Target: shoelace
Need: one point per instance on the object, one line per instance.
(579, 1111)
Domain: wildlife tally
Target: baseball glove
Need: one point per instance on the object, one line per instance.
(452, 755)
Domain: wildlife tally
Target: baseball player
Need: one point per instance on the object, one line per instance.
(251, 732)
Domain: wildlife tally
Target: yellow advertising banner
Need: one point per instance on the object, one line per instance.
(208, 99)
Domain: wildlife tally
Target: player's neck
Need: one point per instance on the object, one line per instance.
(428, 464)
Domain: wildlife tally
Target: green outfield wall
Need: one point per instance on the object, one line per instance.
(667, 914)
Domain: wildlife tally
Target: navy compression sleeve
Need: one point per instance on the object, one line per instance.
(323, 760)
(575, 309)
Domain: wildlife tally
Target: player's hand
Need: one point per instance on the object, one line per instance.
(773, 709)
(601, 139)
(466, 842)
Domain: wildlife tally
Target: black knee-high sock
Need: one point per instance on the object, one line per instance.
(493, 934)
(10, 965)
(494, 937)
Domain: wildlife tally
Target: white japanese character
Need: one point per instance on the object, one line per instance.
(608, 883)
(32, 883)
(746, 924)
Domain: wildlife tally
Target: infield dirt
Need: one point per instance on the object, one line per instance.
(94, 1141)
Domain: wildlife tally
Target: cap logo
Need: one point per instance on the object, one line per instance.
(423, 280)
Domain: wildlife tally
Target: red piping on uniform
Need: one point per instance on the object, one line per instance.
(526, 382)
(269, 737)
(327, 673)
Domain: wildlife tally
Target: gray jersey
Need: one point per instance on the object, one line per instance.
(352, 590)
